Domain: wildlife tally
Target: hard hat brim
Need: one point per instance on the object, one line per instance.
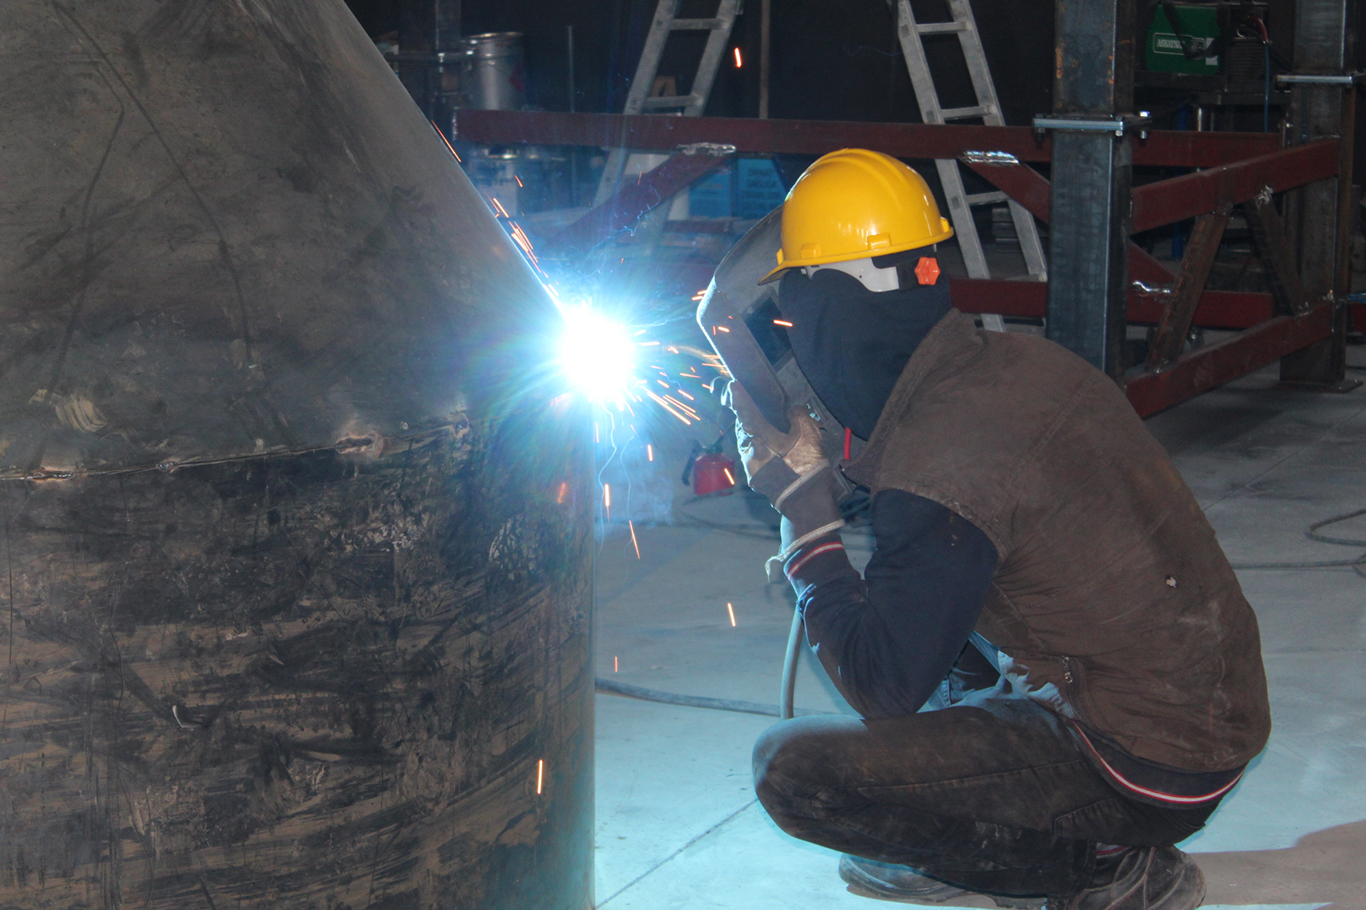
(850, 257)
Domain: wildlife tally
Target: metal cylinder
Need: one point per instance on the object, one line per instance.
(492, 75)
(295, 544)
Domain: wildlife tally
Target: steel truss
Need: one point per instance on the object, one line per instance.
(1243, 170)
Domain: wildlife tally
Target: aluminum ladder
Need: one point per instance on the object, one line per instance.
(964, 25)
(639, 99)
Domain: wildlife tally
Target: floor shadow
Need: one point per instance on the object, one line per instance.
(1325, 867)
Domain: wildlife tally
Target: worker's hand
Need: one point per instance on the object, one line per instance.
(773, 459)
(789, 468)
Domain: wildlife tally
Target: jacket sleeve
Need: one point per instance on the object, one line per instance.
(887, 639)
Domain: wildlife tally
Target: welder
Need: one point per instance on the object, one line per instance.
(1057, 675)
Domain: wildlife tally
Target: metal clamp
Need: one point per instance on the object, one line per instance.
(992, 158)
(707, 148)
(1079, 125)
(1317, 79)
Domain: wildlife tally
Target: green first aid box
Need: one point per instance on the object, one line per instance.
(1195, 28)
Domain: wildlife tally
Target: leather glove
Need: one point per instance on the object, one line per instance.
(790, 469)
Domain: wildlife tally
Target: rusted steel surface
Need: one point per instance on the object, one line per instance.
(816, 137)
(1027, 299)
(1179, 198)
(1217, 309)
(299, 681)
(1020, 182)
(1282, 272)
(296, 545)
(634, 198)
(1201, 370)
(1191, 276)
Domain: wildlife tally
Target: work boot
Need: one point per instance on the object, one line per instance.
(1141, 878)
(890, 882)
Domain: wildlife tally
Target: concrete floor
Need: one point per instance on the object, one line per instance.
(677, 825)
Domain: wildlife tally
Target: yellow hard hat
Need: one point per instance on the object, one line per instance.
(856, 203)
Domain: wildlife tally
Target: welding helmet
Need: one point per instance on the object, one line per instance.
(742, 321)
(853, 204)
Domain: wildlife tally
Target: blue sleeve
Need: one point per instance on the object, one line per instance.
(887, 639)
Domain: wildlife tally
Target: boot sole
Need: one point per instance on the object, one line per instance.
(936, 899)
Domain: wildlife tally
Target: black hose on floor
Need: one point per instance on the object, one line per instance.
(1357, 565)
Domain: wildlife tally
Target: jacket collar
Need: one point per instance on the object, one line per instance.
(953, 340)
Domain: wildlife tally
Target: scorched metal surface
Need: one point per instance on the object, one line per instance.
(295, 562)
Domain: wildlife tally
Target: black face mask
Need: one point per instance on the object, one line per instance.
(853, 343)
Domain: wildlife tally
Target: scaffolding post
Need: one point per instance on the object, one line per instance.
(1092, 176)
(1318, 217)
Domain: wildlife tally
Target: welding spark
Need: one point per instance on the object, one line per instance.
(731, 611)
(519, 180)
(649, 452)
(729, 476)
(564, 488)
(632, 525)
(616, 667)
(738, 62)
(540, 771)
(665, 405)
(445, 140)
(607, 496)
(782, 322)
(685, 394)
(682, 407)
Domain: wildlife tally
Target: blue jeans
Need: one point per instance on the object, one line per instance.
(991, 794)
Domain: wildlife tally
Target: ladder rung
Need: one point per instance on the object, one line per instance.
(962, 113)
(710, 25)
(986, 198)
(661, 101)
(939, 28)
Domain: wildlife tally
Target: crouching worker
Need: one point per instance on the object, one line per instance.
(1057, 674)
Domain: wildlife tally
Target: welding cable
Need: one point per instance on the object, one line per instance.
(789, 684)
(612, 687)
(1357, 565)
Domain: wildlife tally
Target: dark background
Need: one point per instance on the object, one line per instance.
(830, 60)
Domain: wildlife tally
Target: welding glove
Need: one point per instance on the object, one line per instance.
(789, 468)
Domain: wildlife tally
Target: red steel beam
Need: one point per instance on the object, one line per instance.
(1179, 198)
(1201, 370)
(634, 198)
(1029, 299)
(816, 137)
(1033, 191)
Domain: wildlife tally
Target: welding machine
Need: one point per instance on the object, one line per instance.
(1222, 38)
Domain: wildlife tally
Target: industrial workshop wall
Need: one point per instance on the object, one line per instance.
(294, 540)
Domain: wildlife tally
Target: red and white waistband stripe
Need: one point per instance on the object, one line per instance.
(1154, 794)
(807, 557)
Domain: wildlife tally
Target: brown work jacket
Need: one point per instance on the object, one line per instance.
(1112, 602)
